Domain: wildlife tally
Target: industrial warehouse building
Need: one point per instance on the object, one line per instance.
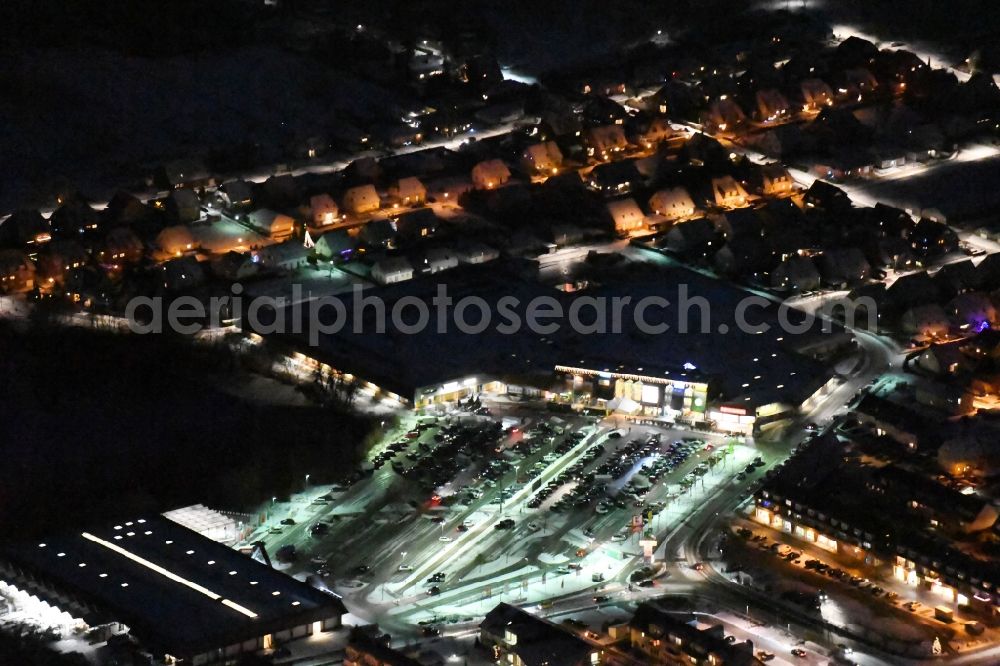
(737, 380)
(184, 597)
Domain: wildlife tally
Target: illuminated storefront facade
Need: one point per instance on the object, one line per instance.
(457, 390)
(633, 393)
(733, 418)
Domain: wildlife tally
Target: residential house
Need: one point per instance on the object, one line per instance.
(665, 638)
(482, 71)
(235, 266)
(693, 238)
(391, 270)
(824, 196)
(892, 221)
(728, 193)
(944, 359)
(323, 210)
(932, 239)
(614, 178)
(602, 110)
(517, 637)
(603, 141)
(364, 651)
(17, 272)
(238, 194)
(910, 290)
(843, 267)
(476, 253)
(175, 241)
(854, 52)
(24, 228)
(88, 286)
(654, 131)
(771, 105)
(738, 223)
(956, 278)
(626, 216)
(361, 199)
(182, 273)
(378, 234)
(744, 255)
(124, 209)
(724, 115)
(673, 204)
(859, 83)
(408, 191)
(73, 218)
(797, 273)
(704, 150)
(120, 246)
(781, 142)
(677, 97)
(893, 252)
(448, 189)
(276, 226)
(416, 224)
(336, 245)
(281, 191)
(396, 135)
(490, 174)
(363, 170)
(500, 113)
(186, 173)
(59, 258)
(288, 256)
(925, 322)
(544, 158)
(184, 205)
(776, 181)
(972, 311)
(816, 95)
(436, 260)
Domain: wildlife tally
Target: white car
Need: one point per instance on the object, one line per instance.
(534, 527)
(405, 568)
(446, 539)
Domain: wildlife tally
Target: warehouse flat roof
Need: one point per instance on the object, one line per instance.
(755, 369)
(179, 592)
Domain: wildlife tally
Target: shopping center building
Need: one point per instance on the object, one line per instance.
(185, 598)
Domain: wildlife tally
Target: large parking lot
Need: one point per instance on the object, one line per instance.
(454, 513)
